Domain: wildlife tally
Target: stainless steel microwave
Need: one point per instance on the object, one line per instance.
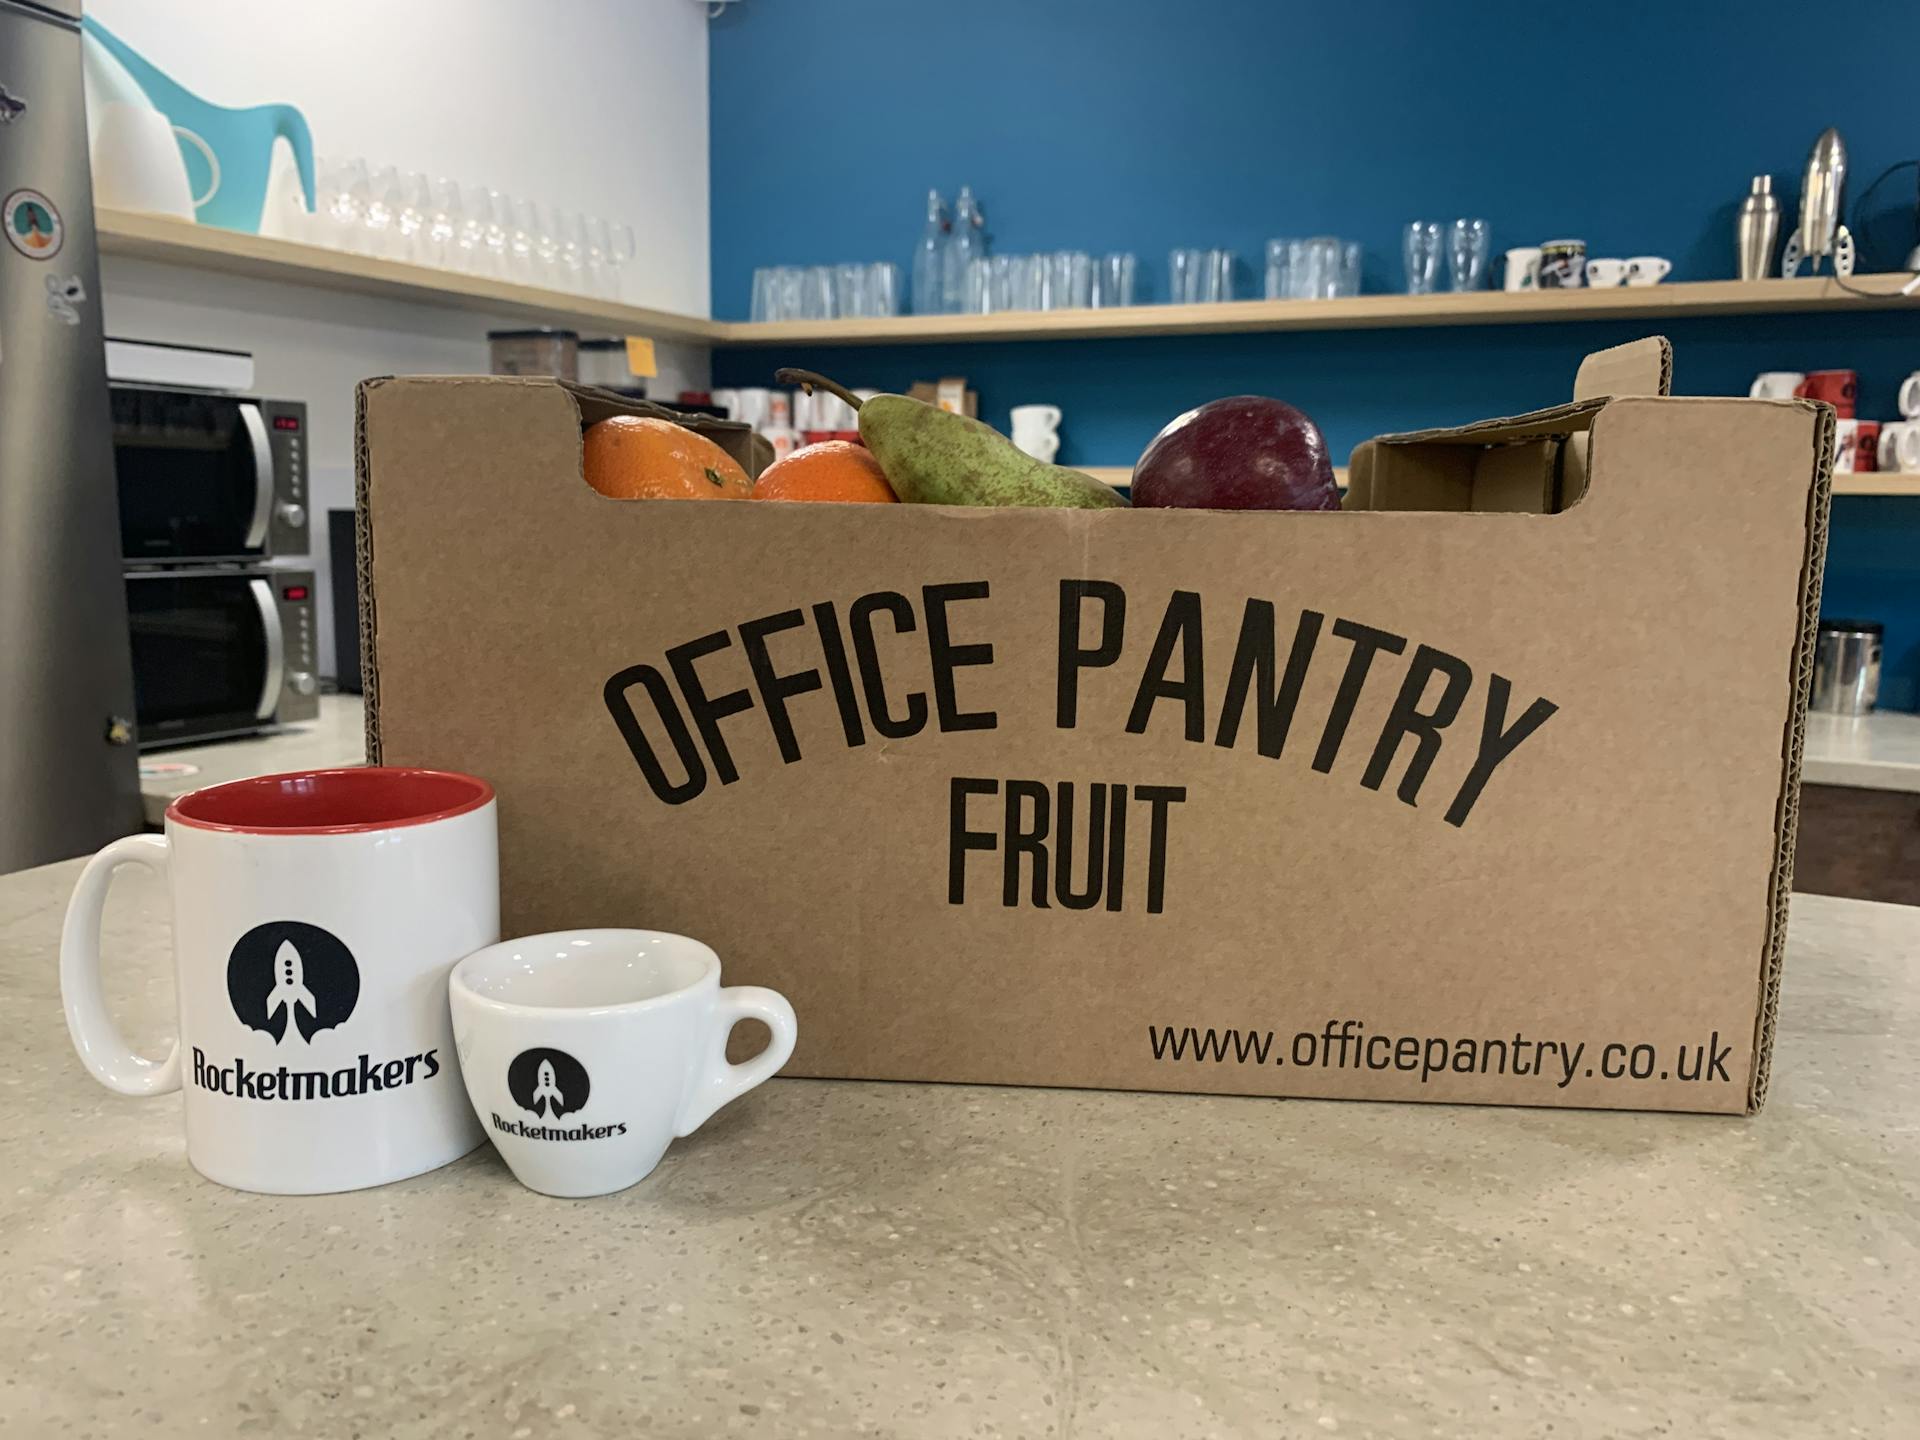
(221, 651)
(208, 476)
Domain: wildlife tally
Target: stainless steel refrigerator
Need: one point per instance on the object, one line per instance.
(69, 777)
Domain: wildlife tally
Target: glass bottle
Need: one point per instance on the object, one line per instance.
(967, 241)
(929, 261)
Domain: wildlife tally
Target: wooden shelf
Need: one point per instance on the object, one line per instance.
(230, 252)
(179, 242)
(1361, 312)
(1891, 483)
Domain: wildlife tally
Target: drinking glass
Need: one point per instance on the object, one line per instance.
(788, 283)
(1071, 280)
(380, 214)
(1113, 280)
(883, 288)
(570, 231)
(816, 293)
(445, 217)
(416, 203)
(1348, 281)
(1420, 246)
(1029, 282)
(1469, 242)
(344, 192)
(621, 247)
(1216, 277)
(1183, 275)
(978, 299)
(766, 295)
(523, 244)
(850, 290)
(1000, 282)
(1277, 255)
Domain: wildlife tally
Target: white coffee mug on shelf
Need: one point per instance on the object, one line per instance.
(1910, 396)
(1776, 384)
(1522, 268)
(316, 917)
(586, 1052)
(137, 163)
(1846, 446)
(1034, 418)
(1906, 447)
(1888, 449)
(1648, 269)
(1605, 274)
(1042, 446)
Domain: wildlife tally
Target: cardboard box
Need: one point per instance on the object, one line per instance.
(1394, 803)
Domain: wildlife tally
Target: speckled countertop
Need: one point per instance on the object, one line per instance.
(918, 1261)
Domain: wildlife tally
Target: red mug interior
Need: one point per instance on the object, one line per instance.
(332, 802)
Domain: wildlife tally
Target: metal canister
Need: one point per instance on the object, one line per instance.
(1757, 229)
(1846, 666)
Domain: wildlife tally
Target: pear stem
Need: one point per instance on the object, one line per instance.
(810, 382)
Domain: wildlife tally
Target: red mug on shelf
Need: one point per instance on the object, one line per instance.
(1837, 387)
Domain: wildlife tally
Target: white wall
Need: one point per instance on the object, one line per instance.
(599, 105)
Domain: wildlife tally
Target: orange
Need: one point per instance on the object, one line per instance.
(633, 457)
(830, 470)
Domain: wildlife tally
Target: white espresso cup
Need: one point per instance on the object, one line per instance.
(316, 916)
(1893, 437)
(1906, 447)
(586, 1052)
(1776, 384)
(1605, 274)
(1910, 396)
(1648, 269)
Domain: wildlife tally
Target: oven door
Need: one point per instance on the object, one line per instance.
(209, 654)
(196, 475)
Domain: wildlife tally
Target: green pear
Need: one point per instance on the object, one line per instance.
(934, 457)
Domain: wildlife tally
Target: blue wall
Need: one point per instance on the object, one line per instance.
(1142, 125)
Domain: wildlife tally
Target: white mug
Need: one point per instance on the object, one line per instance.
(1776, 384)
(1906, 447)
(137, 163)
(315, 919)
(586, 1052)
(1042, 445)
(1605, 274)
(1648, 269)
(1910, 396)
(1035, 419)
(1523, 268)
(754, 405)
(1846, 446)
(1888, 449)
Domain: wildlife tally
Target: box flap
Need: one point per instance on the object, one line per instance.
(1558, 420)
(1640, 367)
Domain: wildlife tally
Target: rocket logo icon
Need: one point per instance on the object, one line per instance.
(289, 984)
(292, 980)
(548, 1083)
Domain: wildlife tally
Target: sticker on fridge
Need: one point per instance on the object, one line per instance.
(33, 225)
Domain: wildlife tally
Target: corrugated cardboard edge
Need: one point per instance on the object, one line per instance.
(363, 571)
(1787, 818)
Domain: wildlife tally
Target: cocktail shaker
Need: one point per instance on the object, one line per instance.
(1757, 229)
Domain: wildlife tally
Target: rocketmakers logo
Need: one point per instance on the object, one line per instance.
(550, 1083)
(290, 981)
(286, 977)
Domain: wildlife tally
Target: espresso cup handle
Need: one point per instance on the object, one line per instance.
(97, 1039)
(718, 1081)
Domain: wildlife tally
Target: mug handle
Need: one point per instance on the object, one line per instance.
(719, 1081)
(97, 1039)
